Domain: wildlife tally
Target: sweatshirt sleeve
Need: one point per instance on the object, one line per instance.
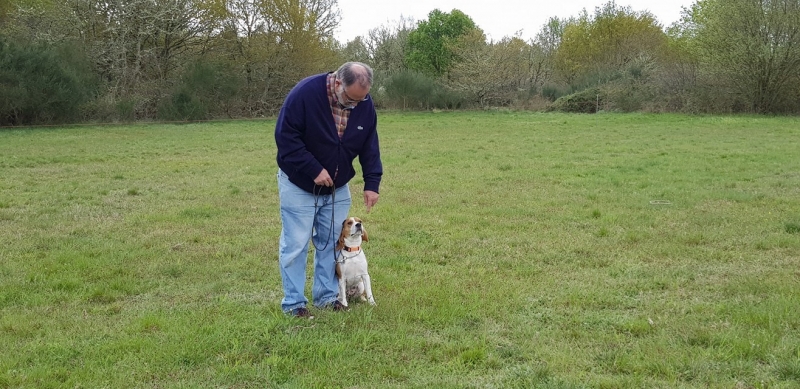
(370, 159)
(289, 132)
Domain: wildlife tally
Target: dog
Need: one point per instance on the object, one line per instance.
(351, 263)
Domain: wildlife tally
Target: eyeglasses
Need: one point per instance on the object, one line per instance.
(349, 101)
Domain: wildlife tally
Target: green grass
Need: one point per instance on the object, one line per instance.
(508, 250)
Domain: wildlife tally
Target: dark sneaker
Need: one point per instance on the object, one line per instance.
(337, 306)
(302, 313)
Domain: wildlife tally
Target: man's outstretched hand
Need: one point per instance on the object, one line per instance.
(370, 199)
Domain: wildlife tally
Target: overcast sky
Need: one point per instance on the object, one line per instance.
(497, 18)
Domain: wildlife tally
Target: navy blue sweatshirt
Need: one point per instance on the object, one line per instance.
(308, 141)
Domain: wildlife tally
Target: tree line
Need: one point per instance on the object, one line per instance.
(127, 60)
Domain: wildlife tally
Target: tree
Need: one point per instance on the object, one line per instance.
(679, 69)
(317, 18)
(355, 50)
(388, 46)
(490, 74)
(430, 44)
(5, 10)
(248, 44)
(137, 47)
(543, 50)
(304, 30)
(273, 44)
(37, 21)
(595, 48)
(748, 50)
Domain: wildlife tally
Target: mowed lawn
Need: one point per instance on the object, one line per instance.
(508, 250)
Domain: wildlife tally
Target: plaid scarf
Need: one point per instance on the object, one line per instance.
(340, 114)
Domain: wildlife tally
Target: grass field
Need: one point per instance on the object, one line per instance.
(508, 250)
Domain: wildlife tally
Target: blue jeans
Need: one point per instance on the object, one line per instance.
(305, 217)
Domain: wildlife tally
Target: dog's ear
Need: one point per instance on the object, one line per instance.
(340, 242)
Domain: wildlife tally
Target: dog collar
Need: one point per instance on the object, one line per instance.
(351, 249)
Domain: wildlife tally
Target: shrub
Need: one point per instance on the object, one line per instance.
(183, 106)
(585, 101)
(409, 89)
(552, 92)
(42, 84)
(445, 99)
(414, 90)
(205, 90)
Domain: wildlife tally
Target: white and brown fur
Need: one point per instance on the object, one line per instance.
(351, 263)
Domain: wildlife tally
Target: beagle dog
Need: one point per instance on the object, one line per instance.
(351, 263)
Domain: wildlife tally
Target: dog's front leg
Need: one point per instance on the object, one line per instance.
(368, 288)
(342, 286)
(342, 292)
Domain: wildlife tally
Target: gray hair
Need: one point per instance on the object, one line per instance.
(355, 72)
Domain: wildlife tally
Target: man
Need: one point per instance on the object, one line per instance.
(326, 121)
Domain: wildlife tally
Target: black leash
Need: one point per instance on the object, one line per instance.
(333, 208)
(333, 213)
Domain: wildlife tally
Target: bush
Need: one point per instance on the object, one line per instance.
(585, 101)
(205, 91)
(182, 106)
(626, 95)
(408, 89)
(445, 99)
(552, 92)
(41, 84)
(413, 90)
(635, 89)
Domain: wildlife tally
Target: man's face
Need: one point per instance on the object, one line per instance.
(350, 96)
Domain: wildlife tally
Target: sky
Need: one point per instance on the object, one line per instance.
(497, 18)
